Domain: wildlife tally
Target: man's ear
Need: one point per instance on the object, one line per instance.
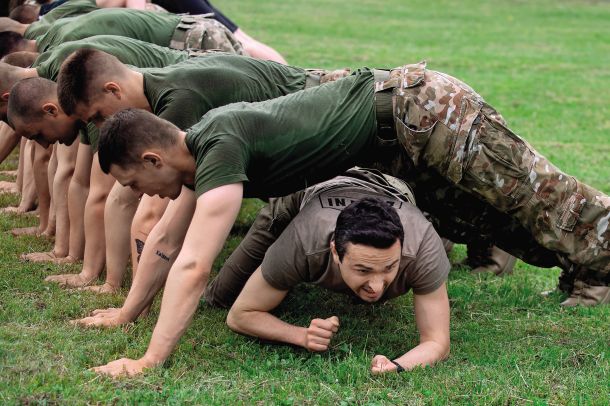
(5, 96)
(152, 158)
(114, 88)
(50, 109)
(333, 251)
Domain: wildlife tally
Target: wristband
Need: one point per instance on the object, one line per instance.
(399, 367)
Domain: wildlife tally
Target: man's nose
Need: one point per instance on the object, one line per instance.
(376, 284)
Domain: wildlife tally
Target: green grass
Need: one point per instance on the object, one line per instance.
(544, 64)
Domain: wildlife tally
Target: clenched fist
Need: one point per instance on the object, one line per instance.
(320, 332)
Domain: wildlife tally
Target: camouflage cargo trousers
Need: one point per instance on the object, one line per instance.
(468, 167)
(197, 32)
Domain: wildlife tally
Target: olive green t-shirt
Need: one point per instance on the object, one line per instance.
(184, 92)
(147, 26)
(302, 252)
(286, 144)
(128, 50)
(68, 9)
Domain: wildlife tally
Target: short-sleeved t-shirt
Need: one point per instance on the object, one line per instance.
(128, 50)
(302, 252)
(147, 26)
(286, 144)
(70, 8)
(184, 92)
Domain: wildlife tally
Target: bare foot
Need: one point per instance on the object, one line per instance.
(8, 187)
(9, 173)
(48, 233)
(105, 288)
(48, 257)
(70, 280)
(16, 210)
(26, 231)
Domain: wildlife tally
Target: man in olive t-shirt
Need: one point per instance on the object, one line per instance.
(60, 127)
(163, 29)
(181, 93)
(336, 242)
(70, 8)
(438, 124)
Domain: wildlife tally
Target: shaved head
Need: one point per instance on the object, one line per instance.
(126, 134)
(23, 59)
(27, 96)
(9, 75)
(11, 42)
(84, 71)
(25, 14)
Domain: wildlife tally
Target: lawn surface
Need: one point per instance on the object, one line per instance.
(544, 64)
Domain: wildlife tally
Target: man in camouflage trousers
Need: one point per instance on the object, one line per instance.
(201, 32)
(542, 215)
(414, 123)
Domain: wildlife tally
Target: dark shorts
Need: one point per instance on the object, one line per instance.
(196, 7)
(45, 8)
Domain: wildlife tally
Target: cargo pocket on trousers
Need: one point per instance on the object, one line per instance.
(498, 166)
(413, 139)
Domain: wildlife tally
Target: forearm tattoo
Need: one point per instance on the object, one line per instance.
(162, 255)
(139, 248)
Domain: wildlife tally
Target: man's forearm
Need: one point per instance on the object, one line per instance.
(426, 353)
(155, 263)
(184, 288)
(8, 141)
(160, 252)
(266, 326)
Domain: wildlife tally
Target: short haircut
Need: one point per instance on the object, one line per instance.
(9, 75)
(25, 14)
(26, 98)
(369, 221)
(22, 59)
(126, 134)
(10, 42)
(83, 71)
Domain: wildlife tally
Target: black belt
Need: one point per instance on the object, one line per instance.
(383, 106)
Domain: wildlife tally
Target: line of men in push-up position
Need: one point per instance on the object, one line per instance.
(196, 132)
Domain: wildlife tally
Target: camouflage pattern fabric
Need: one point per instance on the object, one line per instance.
(198, 32)
(446, 128)
(316, 77)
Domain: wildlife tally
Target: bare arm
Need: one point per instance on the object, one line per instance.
(8, 140)
(160, 252)
(215, 213)
(432, 318)
(250, 315)
(137, 4)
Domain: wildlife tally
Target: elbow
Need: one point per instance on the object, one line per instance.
(237, 321)
(233, 321)
(445, 352)
(444, 349)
